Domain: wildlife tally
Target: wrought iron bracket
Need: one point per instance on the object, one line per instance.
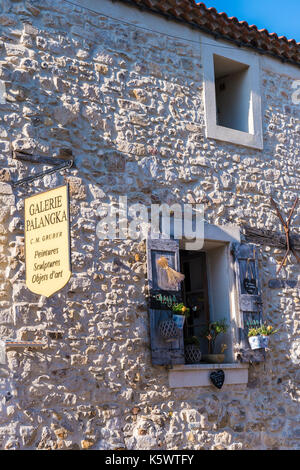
(56, 163)
(18, 344)
(286, 227)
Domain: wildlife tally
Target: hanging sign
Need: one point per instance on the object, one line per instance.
(164, 300)
(47, 241)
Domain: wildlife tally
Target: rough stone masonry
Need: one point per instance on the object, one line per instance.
(128, 103)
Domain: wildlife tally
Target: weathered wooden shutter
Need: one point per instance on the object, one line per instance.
(160, 301)
(249, 297)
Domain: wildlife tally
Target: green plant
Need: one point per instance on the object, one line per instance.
(253, 332)
(267, 330)
(181, 309)
(213, 330)
(264, 330)
(219, 326)
(192, 340)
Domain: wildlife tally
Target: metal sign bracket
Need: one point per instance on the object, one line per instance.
(56, 163)
(4, 344)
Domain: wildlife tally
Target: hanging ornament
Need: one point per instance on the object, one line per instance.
(217, 378)
(250, 284)
(174, 278)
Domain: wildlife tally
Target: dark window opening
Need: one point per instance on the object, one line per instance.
(195, 295)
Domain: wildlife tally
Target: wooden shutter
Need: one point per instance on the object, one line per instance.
(250, 303)
(160, 301)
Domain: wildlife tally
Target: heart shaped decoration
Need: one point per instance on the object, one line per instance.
(217, 377)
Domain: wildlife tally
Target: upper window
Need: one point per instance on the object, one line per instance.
(232, 95)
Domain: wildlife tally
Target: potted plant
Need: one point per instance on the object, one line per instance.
(266, 331)
(170, 328)
(259, 337)
(254, 338)
(192, 350)
(213, 331)
(180, 313)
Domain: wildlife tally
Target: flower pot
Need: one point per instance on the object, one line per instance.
(168, 330)
(179, 321)
(192, 354)
(264, 341)
(255, 342)
(213, 358)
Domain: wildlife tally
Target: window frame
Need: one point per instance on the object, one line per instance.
(181, 375)
(217, 243)
(226, 134)
(221, 285)
(197, 375)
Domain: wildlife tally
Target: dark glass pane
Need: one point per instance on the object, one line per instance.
(195, 295)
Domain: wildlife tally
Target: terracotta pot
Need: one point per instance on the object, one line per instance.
(213, 358)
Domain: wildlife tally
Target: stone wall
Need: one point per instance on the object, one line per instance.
(128, 103)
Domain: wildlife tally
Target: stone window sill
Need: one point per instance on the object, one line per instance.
(234, 136)
(197, 375)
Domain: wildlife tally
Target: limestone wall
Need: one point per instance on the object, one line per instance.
(129, 103)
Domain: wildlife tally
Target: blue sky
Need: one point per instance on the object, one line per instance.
(277, 16)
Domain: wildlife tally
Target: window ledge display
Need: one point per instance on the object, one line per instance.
(198, 375)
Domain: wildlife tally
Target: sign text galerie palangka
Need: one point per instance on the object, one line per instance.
(47, 241)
